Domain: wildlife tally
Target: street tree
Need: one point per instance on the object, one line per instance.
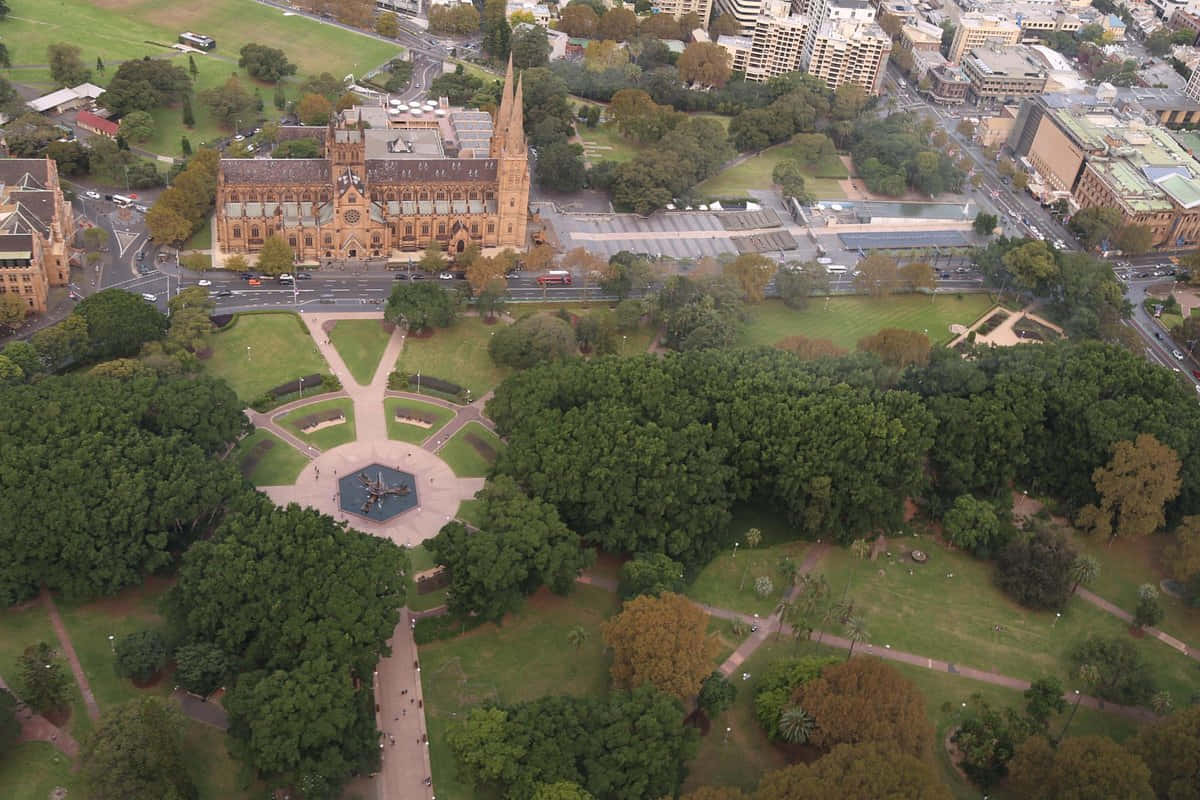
(1133, 240)
(705, 64)
(314, 109)
(1032, 265)
(662, 642)
(482, 270)
(12, 311)
(860, 771)
(1134, 488)
(166, 225)
(1080, 767)
(276, 256)
(1095, 225)
(43, 683)
(419, 306)
(797, 283)
(752, 271)
(917, 275)
(386, 24)
(137, 752)
(878, 275)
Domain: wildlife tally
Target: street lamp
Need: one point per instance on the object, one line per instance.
(1074, 708)
(112, 642)
(247, 352)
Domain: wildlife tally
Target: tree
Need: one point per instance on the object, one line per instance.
(185, 146)
(652, 574)
(532, 340)
(140, 655)
(704, 63)
(1084, 570)
(1032, 265)
(577, 637)
(624, 273)
(276, 256)
(347, 100)
(617, 24)
(530, 47)
(314, 109)
(12, 311)
(796, 284)
(985, 224)
(918, 275)
(897, 348)
(418, 306)
(386, 24)
(560, 167)
(189, 118)
(763, 586)
(1043, 698)
(1148, 612)
(1183, 557)
(137, 126)
(878, 275)
(66, 65)
(661, 641)
(520, 546)
(1081, 767)
(3, 10)
(796, 725)
(432, 259)
(118, 323)
(1139, 480)
(496, 30)
(265, 63)
(1170, 747)
(201, 668)
(166, 225)
(43, 681)
(1133, 240)
(145, 84)
(862, 701)
(973, 526)
(723, 25)
(460, 18)
(1119, 672)
(1095, 225)
(716, 694)
(789, 176)
(137, 752)
(603, 55)
(864, 771)
(230, 102)
(578, 20)
(596, 334)
(10, 725)
(1036, 570)
(562, 790)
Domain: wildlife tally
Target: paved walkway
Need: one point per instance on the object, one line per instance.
(68, 650)
(1121, 613)
(400, 716)
(207, 711)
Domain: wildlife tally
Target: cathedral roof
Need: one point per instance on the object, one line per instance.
(274, 170)
(436, 169)
(27, 173)
(36, 207)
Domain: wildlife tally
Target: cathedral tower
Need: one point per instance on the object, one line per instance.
(512, 167)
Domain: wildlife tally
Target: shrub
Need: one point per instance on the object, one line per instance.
(1121, 675)
(141, 654)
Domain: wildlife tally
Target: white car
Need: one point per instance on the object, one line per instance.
(203, 282)
(239, 138)
(149, 298)
(92, 195)
(1178, 355)
(445, 276)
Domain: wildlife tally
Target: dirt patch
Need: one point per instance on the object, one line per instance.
(423, 333)
(490, 319)
(699, 720)
(328, 325)
(129, 601)
(250, 461)
(956, 755)
(325, 423)
(482, 447)
(58, 716)
(417, 421)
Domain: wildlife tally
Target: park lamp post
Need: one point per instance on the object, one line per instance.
(247, 352)
(418, 382)
(112, 642)
(301, 387)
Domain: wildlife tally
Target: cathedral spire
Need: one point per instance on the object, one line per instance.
(514, 137)
(500, 124)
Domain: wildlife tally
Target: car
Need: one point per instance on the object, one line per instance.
(254, 282)
(144, 269)
(1178, 355)
(92, 195)
(961, 270)
(1196, 372)
(284, 278)
(203, 282)
(142, 209)
(250, 148)
(460, 274)
(304, 276)
(445, 276)
(400, 276)
(257, 131)
(141, 256)
(944, 276)
(247, 276)
(417, 276)
(1158, 335)
(149, 298)
(225, 293)
(239, 138)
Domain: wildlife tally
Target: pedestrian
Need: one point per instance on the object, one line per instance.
(404, 711)
(420, 704)
(410, 700)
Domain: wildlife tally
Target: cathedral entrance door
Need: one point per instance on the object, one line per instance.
(461, 246)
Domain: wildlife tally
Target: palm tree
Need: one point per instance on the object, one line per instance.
(796, 725)
(861, 548)
(856, 631)
(1161, 702)
(1084, 570)
(784, 609)
(1090, 675)
(577, 636)
(787, 568)
(753, 537)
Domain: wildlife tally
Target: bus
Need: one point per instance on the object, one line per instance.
(555, 277)
(835, 269)
(122, 201)
(197, 40)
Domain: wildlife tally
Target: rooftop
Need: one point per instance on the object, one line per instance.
(1003, 61)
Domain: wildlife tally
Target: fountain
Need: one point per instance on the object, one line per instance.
(377, 492)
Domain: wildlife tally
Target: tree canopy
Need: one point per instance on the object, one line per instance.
(420, 305)
(137, 752)
(265, 63)
(660, 641)
(119, 323)
(856, 772)
(145, 84)
(1078, 769)
(1170, 747)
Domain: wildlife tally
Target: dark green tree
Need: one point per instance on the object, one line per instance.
(1036, 570)
(268, 64)
(716, 694)
(119, 323)
(140, 655)
(201, 668)
(1123, 676)
(651, 573)
(44, 684)
(137, 752)
(420, 306)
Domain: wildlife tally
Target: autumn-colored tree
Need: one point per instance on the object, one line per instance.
(704, 63)
(662, 641)
(809, 349)
(166, 225)
(897, 347)
(878, 275)
(716, 793)
(12, 311)
(618, 24)
(1183, 557)
(856, 772)
(865, 700)
(484, 269)
(276, 256)
(753, 272)
(604, 54)
(723, 25)
(539, 257)
(1081, 768)
(1139, 480)
(578, 20)
(918, 275)
(1171, 749)
(313, 109)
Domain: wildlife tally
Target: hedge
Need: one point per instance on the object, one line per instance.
(314, 384)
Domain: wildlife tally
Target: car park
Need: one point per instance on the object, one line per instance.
(203, 282)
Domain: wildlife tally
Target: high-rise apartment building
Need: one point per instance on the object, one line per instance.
(777, 46)
(746, 12)
(677, 8)
(850, 52)
(977, 30)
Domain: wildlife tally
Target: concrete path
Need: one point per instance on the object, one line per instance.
(400, 716)
(207, 711)
(68, 650)
(1122, 614)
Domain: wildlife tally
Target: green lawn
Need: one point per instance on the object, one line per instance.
(420, 560)
(845, 320)
(360, 343)
(526, 658)
(728, 580)
(25, 626)
(31, 770)
(325, 438)
(755, 173)
(216, 774)
(954, 618)
(458, 354)
(279, 466)
(201, 239)
(463, 458)
(407, 432)
(605, 143)
(470, 512)
(117, 30)
(262, 351)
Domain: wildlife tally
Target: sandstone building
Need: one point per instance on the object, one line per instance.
(36, 229)
(391, 180)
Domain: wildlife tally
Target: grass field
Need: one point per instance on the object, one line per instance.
(118, 30)
(470, 512)
(755, 173)
(845, 320)
(325, 438)
(201, 239)
(414, 434)
(360, 343)
(605, 143)
(31, 770)
(463, 458)
(728, 580)
(262, 351)
(420, 560)
(279, 466)
(525, 658)
(25, 626)
(216, 774)
(954, 619)
(458, 353)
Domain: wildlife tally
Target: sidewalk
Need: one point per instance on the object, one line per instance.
(400, 717)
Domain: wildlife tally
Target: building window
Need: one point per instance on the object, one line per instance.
(424, 228)
(408, 230)
(491, 227)
(308, 241)
(233, 197)
(441, 195)
(254, 233)
(292, 242)
(441, 229)
(474, 228)
(237, 231)
(328, 239)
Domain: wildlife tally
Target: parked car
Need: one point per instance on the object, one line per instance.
(445, 276)
(224, 293)
(417, 276)
(400, 276)
(141, 256)
(254, 282)
(142, 209)
(92, 195)
(285, 278)
(149, 298)
(1158, 335)
(1178, 355)
(203, 282)
(239, 138)
(304, 276)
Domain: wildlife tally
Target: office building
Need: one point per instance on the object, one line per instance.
(976, 30)
(1003, 73)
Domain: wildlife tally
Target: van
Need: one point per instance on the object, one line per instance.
(835, 269)
(555, 277)
(122, 200)
(824, 262)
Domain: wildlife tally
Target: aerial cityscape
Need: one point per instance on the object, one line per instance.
(600, 399)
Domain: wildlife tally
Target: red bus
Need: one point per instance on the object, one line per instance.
(555, 277)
